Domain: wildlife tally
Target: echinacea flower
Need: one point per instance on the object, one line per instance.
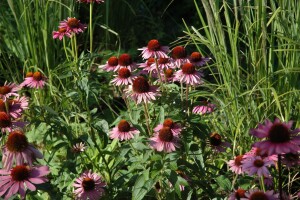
(141, 91)
(204, 108)
(146, 66)
(37, 80)
(254, 194)
(89, 186)
(18, 150)
(235, 165)
(79, 147)
(20, 178)
(257, 165)
(60, 33)
(6, 124)
(125, 60)
(111, 64)
(197, 59)
(257, 152)
(124, 77)
(123, 131)
(179, 56)
(189, 75)
(268, 181)
(237, 194)
(154, 49)
(91, 1)
(164, 140)
(174, 127)
(216, 142)
(9, 89)
(168, 75)
(279, 138)
(17, 106)
(72, 25)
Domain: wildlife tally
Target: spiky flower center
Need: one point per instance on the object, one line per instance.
(113, 61)
(124, 126)
(169, 73)
(140, 85)
(5, 90)
(73, 22)
(150, 61)
(37, 76)
(168, 123)
(29, 74)
(88, 184)
(178, 52)
(258, 153)
(62, 30)
(165, 134)
(2, 106)
(153, 45)
(238, 160)
(240, 193)
(20, 173)
(258, 163)
(188, 68)
(125, 60)
(215, 139)
(4, 120)
(162, 61)
(195, 57)
(258, 196)
(279, 133)
(124, 73)
(16, 141)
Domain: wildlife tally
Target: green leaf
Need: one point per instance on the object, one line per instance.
(142, 186)
(224, 182)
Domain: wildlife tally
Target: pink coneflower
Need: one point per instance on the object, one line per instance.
(235, 165)
(154, 49)
(257, 165)
(141, 91)
(162, 64)
(79, 147)
(164, 140)
(204, 108)
(174, 127)
(179, 56)
(7, 125)
(18, 150)
(90, 1)
(37, 80)
(60, 33)
(89, 186)
(237, 194)
(268, 181)
(124, 77)
(146, 66)
(17, 106)
(20, 178)
(189, 75)
(72, 25)
(123, 131)
(168, 75)
(197, 59)
(111, 64)
(125, 60)
(257, 152)
(216, 142)
(279, 137)
(291, 159)
(257, 194)
(8, 90)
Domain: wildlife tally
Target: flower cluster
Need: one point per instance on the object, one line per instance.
(68, 27)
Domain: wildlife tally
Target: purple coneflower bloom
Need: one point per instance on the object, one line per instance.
(37, 80)
(162, 64)
(257, 194)
(189, 75)
(17, 106)
(124, 77)
(179, 56)
(146, 66)
(60, 33)
(257, 152)
(125, 60)
(205, 108)
(89, 186)
(235, 165)
(18, 150)
(123, 131)
(72, 25)
(111, 64)
(168, 76)
(164, 140)
(7, 125)
(141, 91)
(20, 178)
(154, 49)
(197, 59)
(216, 142)
(257, 165)
(237, 194)
(8, 90)
(279, 137)
(174, 127)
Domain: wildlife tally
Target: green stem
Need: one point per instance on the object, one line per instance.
(262, 184)
(91, 27)
(187, 100)
(147, 118)
(64, 42)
